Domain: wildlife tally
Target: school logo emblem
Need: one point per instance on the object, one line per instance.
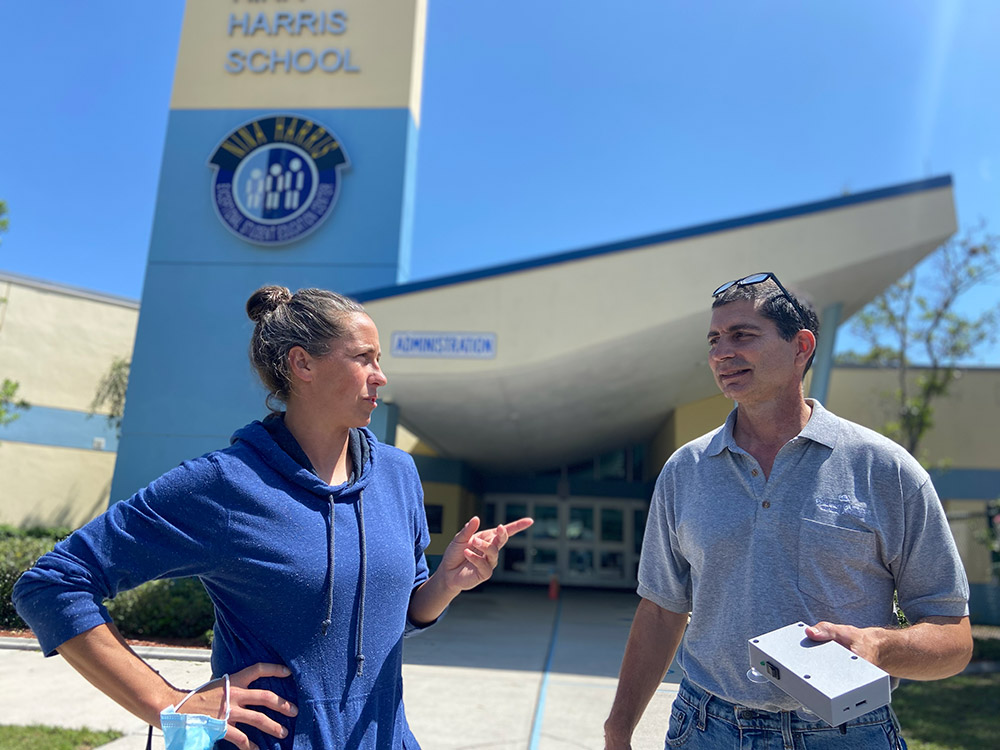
(276, 178)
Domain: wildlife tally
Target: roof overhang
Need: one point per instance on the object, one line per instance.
(595, 348)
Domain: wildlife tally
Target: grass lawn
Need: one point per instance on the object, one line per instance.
(960, 713)
(51, 738)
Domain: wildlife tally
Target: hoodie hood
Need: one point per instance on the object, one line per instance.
(362, 446)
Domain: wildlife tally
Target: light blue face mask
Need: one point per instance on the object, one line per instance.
(192, 731)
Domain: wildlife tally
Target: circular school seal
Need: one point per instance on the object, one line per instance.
(276, 178)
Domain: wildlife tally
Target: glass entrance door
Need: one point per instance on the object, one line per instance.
(584, 541)
(596, 542)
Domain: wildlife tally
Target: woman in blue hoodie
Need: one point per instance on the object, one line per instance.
(309, 537)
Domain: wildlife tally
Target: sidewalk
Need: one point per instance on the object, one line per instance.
(506, 669)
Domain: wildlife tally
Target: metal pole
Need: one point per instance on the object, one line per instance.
(823, 363)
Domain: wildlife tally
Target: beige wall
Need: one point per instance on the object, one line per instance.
(963, 435)
(57, 343)
(458, 507)
(685, 424)
(967, 518)
(407, 441)
(383, 39)
(45, 485)
(964, 432)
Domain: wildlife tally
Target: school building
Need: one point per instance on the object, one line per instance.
(555, 387)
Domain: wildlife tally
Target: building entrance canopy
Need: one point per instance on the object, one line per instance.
(555, 360)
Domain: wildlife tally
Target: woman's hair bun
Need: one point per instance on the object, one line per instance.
(265, 300)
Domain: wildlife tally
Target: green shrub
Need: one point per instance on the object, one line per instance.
(55, 533)
(17, 554)
(177, 607)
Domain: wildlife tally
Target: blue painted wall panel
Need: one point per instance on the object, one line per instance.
(63, 428)
(191, 385)
(984, 603)
(142, 460)
(966, 484)
(363, 227)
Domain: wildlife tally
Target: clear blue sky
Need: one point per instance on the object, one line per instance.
(547, 126)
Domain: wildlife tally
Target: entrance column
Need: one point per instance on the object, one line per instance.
(289, 159)
(823, 362)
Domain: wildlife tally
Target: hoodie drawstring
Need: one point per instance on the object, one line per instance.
(329, 562)
(359, 656)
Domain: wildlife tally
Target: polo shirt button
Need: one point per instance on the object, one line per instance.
(766, 504)
(753, 473)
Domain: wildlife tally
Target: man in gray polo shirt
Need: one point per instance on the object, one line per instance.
(786, 513)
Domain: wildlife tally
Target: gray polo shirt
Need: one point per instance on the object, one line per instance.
(846, 517)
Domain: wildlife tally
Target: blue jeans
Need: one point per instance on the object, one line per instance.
(701, 721)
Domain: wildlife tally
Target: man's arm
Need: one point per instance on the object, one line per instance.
(931, 649)
(652, 642)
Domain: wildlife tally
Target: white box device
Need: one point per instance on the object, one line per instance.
(828, 679)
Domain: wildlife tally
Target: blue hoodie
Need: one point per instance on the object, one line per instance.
(327, 600)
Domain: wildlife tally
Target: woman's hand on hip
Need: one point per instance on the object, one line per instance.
(244, 703)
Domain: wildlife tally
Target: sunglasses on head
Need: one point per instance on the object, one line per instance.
(760, 278)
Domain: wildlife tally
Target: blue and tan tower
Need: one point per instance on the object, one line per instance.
(290, 159)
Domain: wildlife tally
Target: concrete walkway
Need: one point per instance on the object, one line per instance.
(507, 668)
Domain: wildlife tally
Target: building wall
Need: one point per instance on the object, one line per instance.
(685, 424)
(57, 343)
(47, 485)
(963, 433)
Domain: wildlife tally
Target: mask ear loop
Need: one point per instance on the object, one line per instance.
(226, 676)
(226, 717)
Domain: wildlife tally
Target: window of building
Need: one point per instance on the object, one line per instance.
(435, 516)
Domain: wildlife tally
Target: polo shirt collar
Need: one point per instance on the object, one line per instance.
(822, 427)
(723, 437)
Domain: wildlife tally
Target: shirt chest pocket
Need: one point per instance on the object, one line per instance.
(834, 563)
